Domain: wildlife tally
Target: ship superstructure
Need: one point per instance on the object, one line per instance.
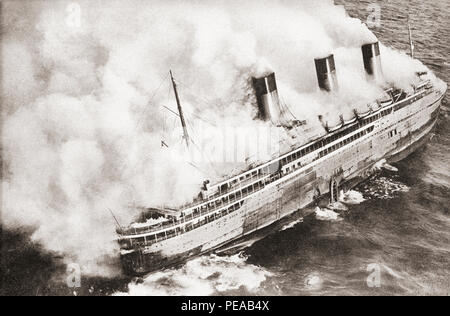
(390, 128)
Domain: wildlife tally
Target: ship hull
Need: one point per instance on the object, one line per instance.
(393, 138)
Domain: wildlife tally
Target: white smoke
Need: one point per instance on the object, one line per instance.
(82, 124)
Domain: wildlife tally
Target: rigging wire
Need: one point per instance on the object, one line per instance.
(196, 167)
(190, 125)
(288, 108)
(144, 112)
(119, 148)
(190, 113)
(151, 100)
(138, 123)
(170, 110)
(206, 101)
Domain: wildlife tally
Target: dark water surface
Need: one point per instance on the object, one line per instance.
(402, 230)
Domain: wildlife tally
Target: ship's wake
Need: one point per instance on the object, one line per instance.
(206, 275)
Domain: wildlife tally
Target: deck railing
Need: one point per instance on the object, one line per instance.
(209, 209)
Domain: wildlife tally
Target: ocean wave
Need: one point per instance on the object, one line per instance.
(206, 275)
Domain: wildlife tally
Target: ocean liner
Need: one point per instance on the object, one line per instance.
(345, 154)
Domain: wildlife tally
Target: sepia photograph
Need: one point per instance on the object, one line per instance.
(195, 150)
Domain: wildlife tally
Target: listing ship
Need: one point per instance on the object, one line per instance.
(345, 154)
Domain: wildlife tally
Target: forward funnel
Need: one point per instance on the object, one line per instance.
(326, 73)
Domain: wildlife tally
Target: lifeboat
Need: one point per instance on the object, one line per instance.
(363, 112)
(374, 106)
(351, 121)
(334, 124)
(348, 118)
(334, 128)
(331, 125)
(385, 101)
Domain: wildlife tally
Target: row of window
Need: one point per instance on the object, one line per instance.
(208, 207)
(225, 186)
(332, 138)
(393, 133)
(408, 102)
(149, 239)
(345, 142)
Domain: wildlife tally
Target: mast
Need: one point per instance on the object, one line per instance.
(411, 45)
(180, 111)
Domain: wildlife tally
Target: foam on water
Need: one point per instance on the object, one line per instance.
(234, 248)
(352, 197)
(337, 206)
(292, 224)
(390, 168)
(382, 164)
(327, 215)
(384, 188)
(205, 275)
(313, 282)
(379, 164)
